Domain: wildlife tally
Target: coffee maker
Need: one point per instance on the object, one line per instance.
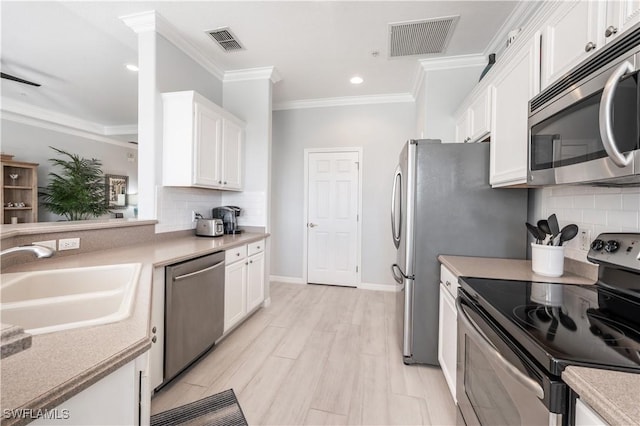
(228, 214)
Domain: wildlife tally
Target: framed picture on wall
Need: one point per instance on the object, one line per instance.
(116, 191)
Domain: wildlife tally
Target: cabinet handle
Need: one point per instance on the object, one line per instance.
(246, 263)
(237, 254)
(219, 182)
(611, 30)
(251, 261)
(448, 283)
(154, 339)
(258, 247)
(153, 330)
(590, 46)
(225, 182)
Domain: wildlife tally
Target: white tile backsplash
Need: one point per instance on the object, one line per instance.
(597, 209)
(176, 204)
(253, 204)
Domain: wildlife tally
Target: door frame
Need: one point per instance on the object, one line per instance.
(305, 232)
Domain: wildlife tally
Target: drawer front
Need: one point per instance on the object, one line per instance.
(235, 254)
(449, 281)
(256, 247)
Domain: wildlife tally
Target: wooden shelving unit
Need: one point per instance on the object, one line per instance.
(19, 196)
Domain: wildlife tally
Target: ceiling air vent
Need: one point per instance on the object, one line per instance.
(421, 37)
(225, 39)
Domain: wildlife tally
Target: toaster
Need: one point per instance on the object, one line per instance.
(209, 227)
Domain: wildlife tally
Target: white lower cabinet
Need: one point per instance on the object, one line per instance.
(121, 398)
(448, 328)
(244, 282)
(585, 416)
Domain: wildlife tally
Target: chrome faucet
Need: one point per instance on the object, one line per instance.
(38, 251)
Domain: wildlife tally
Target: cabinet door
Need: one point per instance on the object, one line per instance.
(570, 35)
(208, 147)
(480, 117)
(584, 415)
(232, 155)
(462, 127)
(621, 15)
(156, 353)
(235, 293)
(511, 92)
(447, 339)
(255, 281)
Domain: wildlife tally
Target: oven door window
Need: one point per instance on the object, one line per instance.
(572, 135)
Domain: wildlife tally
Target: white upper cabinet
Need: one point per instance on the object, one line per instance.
(570, 36)
(621, 15)
(202, 143)
(474, 123)
(578, 29)
(511, 90)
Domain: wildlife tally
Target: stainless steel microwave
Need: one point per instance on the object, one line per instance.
(585, 128)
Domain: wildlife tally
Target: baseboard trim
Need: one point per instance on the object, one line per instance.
(285, 279)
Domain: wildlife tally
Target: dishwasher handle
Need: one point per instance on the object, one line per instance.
(201, 271)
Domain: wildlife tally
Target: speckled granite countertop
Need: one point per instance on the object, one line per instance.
(59, 365)
(510, 269)
(614, 395)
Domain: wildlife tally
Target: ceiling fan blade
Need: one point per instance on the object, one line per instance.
(19, 80)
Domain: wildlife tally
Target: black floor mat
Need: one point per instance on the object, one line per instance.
(221, 409)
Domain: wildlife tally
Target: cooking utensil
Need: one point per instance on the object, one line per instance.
(553, 225)
(543, 314)
(537, 233)
(551, 333)
(568, 233)
(543, 225)
(566, 321)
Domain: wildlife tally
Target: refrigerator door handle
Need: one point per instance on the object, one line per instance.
(398, 275)
(397, 192)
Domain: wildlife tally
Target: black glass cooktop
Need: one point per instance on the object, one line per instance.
(561, 324)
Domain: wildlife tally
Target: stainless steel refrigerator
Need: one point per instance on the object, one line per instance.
(442, 204)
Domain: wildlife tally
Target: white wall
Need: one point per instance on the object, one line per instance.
(165, 68)
(439, 96)
(31, 144)
(381, 130)
(250, 100)
(593, 209)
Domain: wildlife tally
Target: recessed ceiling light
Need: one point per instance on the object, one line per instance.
(132, 67)
(356, 80)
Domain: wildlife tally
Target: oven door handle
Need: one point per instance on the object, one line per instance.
(606, 126)
(481, 340)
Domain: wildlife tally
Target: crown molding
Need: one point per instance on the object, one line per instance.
(344, 101)
(452, 62)
(39, 117)
(125, 129)
(518, 18)
(153, 21)
(263, 73)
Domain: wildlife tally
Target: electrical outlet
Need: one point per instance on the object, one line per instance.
(49, 243)
(585, 239)
(69, 244)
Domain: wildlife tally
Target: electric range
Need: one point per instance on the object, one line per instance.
(518, 336)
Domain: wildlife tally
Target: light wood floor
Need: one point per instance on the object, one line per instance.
(319, 355)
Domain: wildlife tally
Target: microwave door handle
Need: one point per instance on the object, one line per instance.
(606, 127)
(486, 345)
(397, 182)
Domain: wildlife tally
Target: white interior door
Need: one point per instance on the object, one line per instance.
(332, 218)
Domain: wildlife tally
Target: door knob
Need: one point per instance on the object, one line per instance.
(311, 225)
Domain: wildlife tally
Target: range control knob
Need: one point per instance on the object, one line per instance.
(597, 245)
(612, 246)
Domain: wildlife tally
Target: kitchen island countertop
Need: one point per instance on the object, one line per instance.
(61, 364)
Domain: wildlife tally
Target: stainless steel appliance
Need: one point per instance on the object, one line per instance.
(229, 215)
(516, 337)
(586, 127)
(194, 310)
(442, 204)
(209, 227)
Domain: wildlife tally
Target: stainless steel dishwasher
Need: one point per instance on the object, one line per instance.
(194, 310)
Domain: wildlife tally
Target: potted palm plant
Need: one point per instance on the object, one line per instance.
(77, 192)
